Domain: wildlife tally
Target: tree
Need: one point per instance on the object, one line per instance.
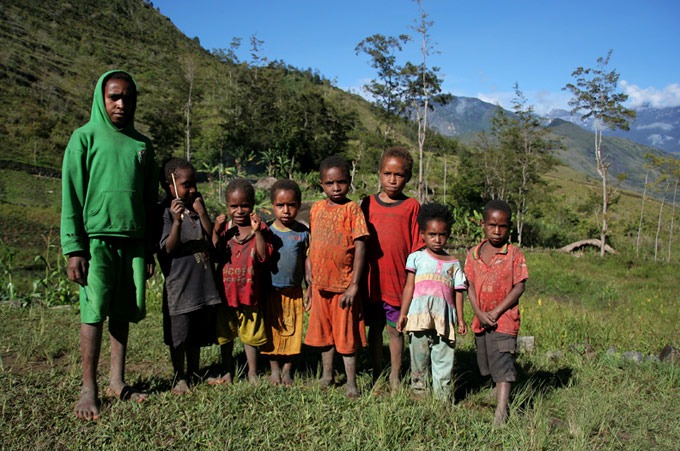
(422, 86)
(595, 93)
(385, 89)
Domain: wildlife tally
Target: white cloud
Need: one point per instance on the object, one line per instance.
(660, 125)
(652, 97)
(542, 101)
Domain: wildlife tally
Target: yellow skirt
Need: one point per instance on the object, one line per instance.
(283, 318)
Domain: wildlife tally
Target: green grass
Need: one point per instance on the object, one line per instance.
(583, 400)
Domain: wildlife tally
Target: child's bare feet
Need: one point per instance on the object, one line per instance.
(395, 383)
(126, 393)
(287, 380)
(351, 391)
(326, 382)
(87, 407)
(274, 379)
(253, 379)
(501, 416)
(226, 379)
(181, 388)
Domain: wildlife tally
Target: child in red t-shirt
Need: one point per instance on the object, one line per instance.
(391, 217)
(244, 250)
(496, 272)
(336, 259)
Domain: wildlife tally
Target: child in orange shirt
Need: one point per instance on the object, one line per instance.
(334, 265)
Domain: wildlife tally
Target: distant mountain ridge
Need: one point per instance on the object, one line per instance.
(654, 127)
(465, 117)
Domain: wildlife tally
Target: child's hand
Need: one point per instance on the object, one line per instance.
(401, 322)
(199, 205)
(77, 269)
(487, 320)
(255, 221)
(307, 300)
(220, 224)
(347, 298)
(462, 327)
(176, 210)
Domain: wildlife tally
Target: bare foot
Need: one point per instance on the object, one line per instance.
(226, 379)
(87, 407)
(395, 383)
(500, 417)
(274, 379)
(326, 382)
(127, 393)
(287, 380)
(253, 379)
(181, 388)
(351, 392)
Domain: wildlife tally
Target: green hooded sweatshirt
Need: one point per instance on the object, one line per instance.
(109, 180)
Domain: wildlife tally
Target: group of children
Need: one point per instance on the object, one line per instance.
(381, 264)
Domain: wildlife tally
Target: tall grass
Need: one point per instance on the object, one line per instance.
(585, 399)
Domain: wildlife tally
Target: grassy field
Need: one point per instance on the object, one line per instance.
(587, 397)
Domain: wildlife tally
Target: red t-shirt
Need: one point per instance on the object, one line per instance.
(493, 282)
(241, 273)
(334, 228)
(394, 235)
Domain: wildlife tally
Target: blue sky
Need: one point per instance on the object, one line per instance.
(484, 46)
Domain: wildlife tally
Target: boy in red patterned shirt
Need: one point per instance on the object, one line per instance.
(496, 272)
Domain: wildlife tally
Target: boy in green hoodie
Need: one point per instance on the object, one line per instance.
(109, 185)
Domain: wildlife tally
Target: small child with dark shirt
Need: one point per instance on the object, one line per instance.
(496, 272)
(432, 304)
(334, 266)
(243, 250)
(284, 304)
(189, 291)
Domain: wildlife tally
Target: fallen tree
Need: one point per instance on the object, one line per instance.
(592, 242)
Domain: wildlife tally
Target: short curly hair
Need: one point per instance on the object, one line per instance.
(497, 205)
(434, 211)
(403, 154)
(170, 167)
(241, 185)
(286, 185)
(335, 161)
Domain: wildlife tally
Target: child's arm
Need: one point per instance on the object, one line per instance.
(482, 316)
(406, 298)
(347, 298)
(308, 280)
(218, 228)
(78, 267)
(174, 237)
(260, 243)
(199, 208)
(510, 301)
(460, 314)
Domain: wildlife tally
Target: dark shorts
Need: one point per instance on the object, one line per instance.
(193, 329)
(496, 355)
(377, 314)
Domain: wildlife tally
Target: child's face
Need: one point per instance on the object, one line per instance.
(393, 177)
(285, 207)
(185, 181)
(335, 183)
(239, 207)
(120, 101)
(435, 235)
(496, 227)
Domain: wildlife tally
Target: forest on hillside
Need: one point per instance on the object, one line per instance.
(234, 112)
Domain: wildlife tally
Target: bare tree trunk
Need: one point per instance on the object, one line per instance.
(444, 181)
(642, 210)
(670, 232)
(602, 170)
(658, 227)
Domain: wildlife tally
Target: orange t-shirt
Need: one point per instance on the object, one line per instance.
(334, 228)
